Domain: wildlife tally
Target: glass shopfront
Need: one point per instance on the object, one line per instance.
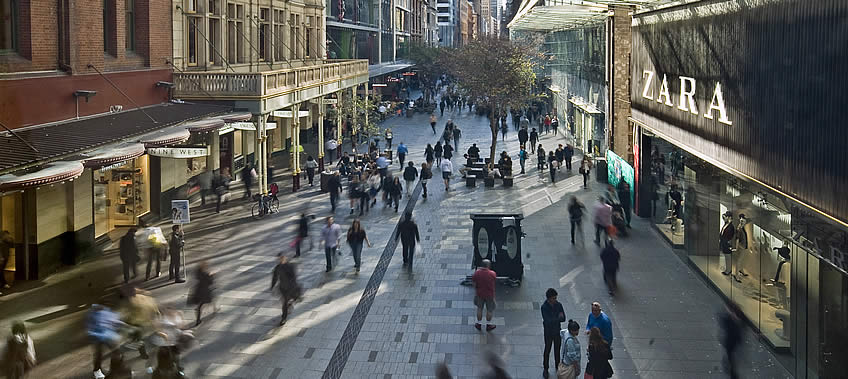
(121, 195)
(11, 221)
(782, 263)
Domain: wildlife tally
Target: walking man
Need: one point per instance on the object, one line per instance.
(730, 323)
(433, 122)
(456, 134)
(334, 186)
(484, 285)
(522, 137)
(568, 153)
(330, 235)
(175, 248)
(410, 173)
(408, 235)
(447, 170)
(610, 258)
(575, 214)
(599, 319)
(534, 137)
(286, 274)
(401, 152)
(302, 233)
(603, 219)
(247, 178)
(552, 315)
(129, 254)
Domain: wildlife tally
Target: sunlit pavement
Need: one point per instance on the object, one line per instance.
(663, 314)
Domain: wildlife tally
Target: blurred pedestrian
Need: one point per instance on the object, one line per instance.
(624, 198)
(602, 218)
(540, 159)
(334, 187)
(19, 356)
(730, 323)
(496, 367)
(118, 368)
(204, 181)
(166, 366)
(433, 121)
(585, 169)
(553, 165)
(247, 175)
(484, 293)
(569, 365)
(330, 235)
(567, 154)
(175, 248)
(152, 241)
(128, 253)
(394, 192)
(138, 314)
(221, 186)
(456, 135)
(429, 154)
(102, 325)
(504, 130)
(169, 335)
(448, 151)
(302, 234)
(408, 235)
(410, 173)
(610, 257)
(559, 153)
(402, 150)
(426, 175)
(202, 292)
(575, 215)
(522, 158)
(311, 165)
(552, 315)
(599, 319)
(446, 168)
(285, 273)
(356, 236)
(7, 243)
(598, 366)
(442, 371)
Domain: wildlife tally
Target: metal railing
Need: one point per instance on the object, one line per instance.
(224, 84)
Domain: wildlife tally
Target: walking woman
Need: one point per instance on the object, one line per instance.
(575, 214)
(585, 169)
(553, 163)
(311, 165)
(599, 356)
(19, 357)
(202, 293)
(438, 150)
(569, 365)
(355, 237)
(426, 175)
(429, 153)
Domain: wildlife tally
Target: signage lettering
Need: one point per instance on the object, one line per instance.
(686, 97)
(178, 152)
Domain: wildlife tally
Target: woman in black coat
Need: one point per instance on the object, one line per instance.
(599, 356)
(202, 293)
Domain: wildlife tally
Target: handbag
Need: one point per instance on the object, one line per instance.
(565, 371)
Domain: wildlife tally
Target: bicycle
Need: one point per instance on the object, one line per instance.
(265, 204)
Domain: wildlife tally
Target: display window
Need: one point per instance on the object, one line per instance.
(121, 195)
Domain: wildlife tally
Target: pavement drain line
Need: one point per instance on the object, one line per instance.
(351, 333)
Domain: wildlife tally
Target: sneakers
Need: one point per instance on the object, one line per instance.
(478, 326)
(490, 327)
(99, 374)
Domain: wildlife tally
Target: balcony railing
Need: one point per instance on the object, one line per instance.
(257, 84)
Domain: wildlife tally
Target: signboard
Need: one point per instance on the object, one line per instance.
(180, 212)
(242, 125)
(618, 169)
(178, 152)
(330, 101)
(288, 114)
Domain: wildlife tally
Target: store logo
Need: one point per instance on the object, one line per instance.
(178, 152)
(686, 97)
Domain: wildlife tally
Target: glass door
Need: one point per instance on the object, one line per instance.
(833, 323)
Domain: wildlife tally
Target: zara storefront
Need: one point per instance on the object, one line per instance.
(740, 161)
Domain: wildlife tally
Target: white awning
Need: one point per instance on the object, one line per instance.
(554, 15)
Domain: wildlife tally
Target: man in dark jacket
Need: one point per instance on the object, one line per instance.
(610, 258)
(567, 155)
(175, 247)
(286, 274)
(552, 315)
(408, 235)
(624, 198)
(129, 254)
(302, 233)
(522, 136)
(247, 179)
(534, 136)
(334, 187)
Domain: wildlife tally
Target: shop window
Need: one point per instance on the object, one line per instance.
(213, 7)
(8, 26)
(237, 145)
(192, 6)
(107, 25)
(293, 36)
(129, 25)
(11, 221)
(120, 195)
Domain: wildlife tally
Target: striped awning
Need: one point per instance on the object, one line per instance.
(108, 155)
(50, 173)
(165, 137)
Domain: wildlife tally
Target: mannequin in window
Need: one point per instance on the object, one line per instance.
(741, 251)
(784, 256)
(728, 231)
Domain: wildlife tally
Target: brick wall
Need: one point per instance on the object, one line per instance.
(620, 84)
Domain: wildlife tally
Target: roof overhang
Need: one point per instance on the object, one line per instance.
(554, 15)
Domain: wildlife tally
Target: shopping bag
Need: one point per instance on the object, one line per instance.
(566, 371)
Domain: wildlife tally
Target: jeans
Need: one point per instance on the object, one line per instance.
(153, 255)
(585, 180)
(568, 163)
(408, 250)
(556, 341)
(310, 174)
(522, 162)
(576, 224)
(356, 250)
(329, 252)
(334, 197)
(409, 186)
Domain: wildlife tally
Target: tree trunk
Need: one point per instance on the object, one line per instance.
(493, 116)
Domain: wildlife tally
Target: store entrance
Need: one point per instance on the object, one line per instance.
(120, 196)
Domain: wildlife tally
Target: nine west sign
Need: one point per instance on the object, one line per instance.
(178, 152)
(658, 90)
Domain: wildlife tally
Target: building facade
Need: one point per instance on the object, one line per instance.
(748, 183)
(447, 19)
(75, 164)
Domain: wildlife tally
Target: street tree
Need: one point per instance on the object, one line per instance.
(427, 65)
(497, 73)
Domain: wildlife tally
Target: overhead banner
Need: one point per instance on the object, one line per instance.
(178, 152)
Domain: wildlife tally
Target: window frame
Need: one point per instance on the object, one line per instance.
(192, 24)
(13, 28)
(129, 25)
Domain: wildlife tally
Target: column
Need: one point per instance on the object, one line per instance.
(262, 153)
(621, 135)
(295, 160)
(321, 134)
(339, 125)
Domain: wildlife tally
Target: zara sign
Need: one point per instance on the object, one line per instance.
(686, 96)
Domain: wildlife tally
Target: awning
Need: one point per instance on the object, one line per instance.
(554, 15)
(207, 125)
(237, 116)
(108, 155)
(386, 68)
(164, 137)
(584, 105)
(49, 173)
(65, 140)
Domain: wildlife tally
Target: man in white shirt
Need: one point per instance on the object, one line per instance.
(447, 169)
(330, 235)
(382, 110)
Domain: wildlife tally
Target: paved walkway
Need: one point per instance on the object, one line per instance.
(663, 315)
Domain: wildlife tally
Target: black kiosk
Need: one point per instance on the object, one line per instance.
(497, 237)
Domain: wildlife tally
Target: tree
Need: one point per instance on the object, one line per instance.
(426, 59)
(497, 73)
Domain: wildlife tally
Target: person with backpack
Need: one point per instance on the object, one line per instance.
(355, 237)
(285, 273)
(426, 175)
(410, 173)
(19, 357)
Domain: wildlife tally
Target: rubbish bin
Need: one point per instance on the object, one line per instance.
(601, 173)
(325, 177)
(497, 237)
